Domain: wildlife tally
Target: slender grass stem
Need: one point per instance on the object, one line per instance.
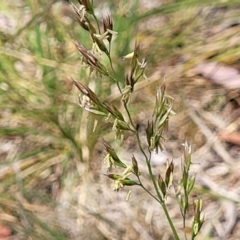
(94, 16)
(161, 201)
(110, 60)
(153, 131)
(147, 160)
(170, 222)
(148, 191)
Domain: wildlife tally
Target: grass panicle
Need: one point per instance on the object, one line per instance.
(121, 125)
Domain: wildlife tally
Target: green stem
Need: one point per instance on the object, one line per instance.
(115, 81)
(129, 115)
(170, 222)
(110, 60)
(144, 154)
(149, 192)
(149, 168)
(184, 211)
(159, 199)
(94, 16)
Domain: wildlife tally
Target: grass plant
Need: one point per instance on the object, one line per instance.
(50, 169)
(155, 127)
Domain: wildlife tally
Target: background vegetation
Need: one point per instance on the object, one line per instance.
(52, 184)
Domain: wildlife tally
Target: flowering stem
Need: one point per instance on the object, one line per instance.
(147, 159)
(144, 154)
(110, 60)
(160, 199)
(170, 222)
(147, 190)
